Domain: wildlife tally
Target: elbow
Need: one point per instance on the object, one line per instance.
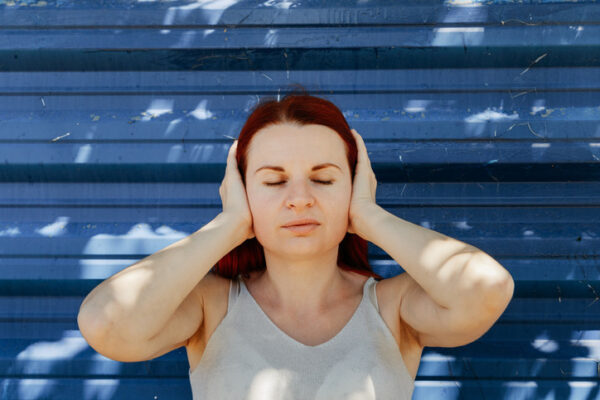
(500, 294)
(484, 309)
(93, 326)
(90, 327)
(103, 339)
(487, 299)
(509, 285)
(84, 322)
(497, 295)
(496, 285)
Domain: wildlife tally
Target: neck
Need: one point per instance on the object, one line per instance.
(302, 286)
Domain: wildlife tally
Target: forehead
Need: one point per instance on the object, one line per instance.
(283, 143)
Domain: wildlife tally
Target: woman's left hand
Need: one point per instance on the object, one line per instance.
(363, 190)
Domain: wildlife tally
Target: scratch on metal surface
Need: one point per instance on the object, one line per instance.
(534, 62)
(60, 137)
(528, 125)
(449, 368)
(469, 366)
(520, 94)
(451, 373)
(243, 19)
(595, 294)
(266, 76)
(43, 102)
(287, 67)
(548, 112)
(579, 337)
(518, 20)
(492, 176)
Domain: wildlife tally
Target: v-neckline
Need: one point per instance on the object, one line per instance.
(296, 342)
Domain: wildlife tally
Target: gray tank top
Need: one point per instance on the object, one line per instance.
(249, 357)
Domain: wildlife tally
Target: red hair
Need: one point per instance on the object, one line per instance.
(298, 109)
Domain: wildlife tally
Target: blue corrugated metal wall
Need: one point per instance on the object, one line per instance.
(482, 119)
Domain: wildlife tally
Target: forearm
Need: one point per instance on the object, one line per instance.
(450, 271)
(140, 299)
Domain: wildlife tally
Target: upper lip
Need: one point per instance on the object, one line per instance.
(301, 222)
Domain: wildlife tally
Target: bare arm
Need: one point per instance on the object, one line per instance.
(136, 304)
(453, 292)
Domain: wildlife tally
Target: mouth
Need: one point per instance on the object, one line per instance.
(303, 228)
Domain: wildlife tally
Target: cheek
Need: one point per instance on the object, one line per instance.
(337, 211)
(341, 213)
(345, 198)
(256, 198)
(260, 208)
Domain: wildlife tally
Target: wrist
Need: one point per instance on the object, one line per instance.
(233, 224)
(369, 218)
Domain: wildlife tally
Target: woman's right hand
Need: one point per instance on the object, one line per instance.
(233, 195)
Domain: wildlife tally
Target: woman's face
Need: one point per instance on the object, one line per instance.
(295, 191)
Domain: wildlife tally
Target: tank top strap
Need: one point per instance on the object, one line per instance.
(234, 292)
(370, 286)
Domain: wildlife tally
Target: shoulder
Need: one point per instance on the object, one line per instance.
(393, 287)
(390, 292)
(212, 293)
(213, 288)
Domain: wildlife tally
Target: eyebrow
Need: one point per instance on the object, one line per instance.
(315, 168)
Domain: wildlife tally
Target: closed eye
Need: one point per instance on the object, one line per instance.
(279, 183)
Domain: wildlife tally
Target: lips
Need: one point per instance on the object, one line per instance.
(304, 229)
(305, 221)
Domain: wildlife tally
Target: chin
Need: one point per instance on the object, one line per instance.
(296, 246)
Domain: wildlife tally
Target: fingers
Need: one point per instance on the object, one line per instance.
(229, 165)
(363, 156)
(232, 151)
(231, 160)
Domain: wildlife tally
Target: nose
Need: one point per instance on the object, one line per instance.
(299, 195)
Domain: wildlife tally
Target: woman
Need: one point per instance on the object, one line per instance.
(282, 273)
